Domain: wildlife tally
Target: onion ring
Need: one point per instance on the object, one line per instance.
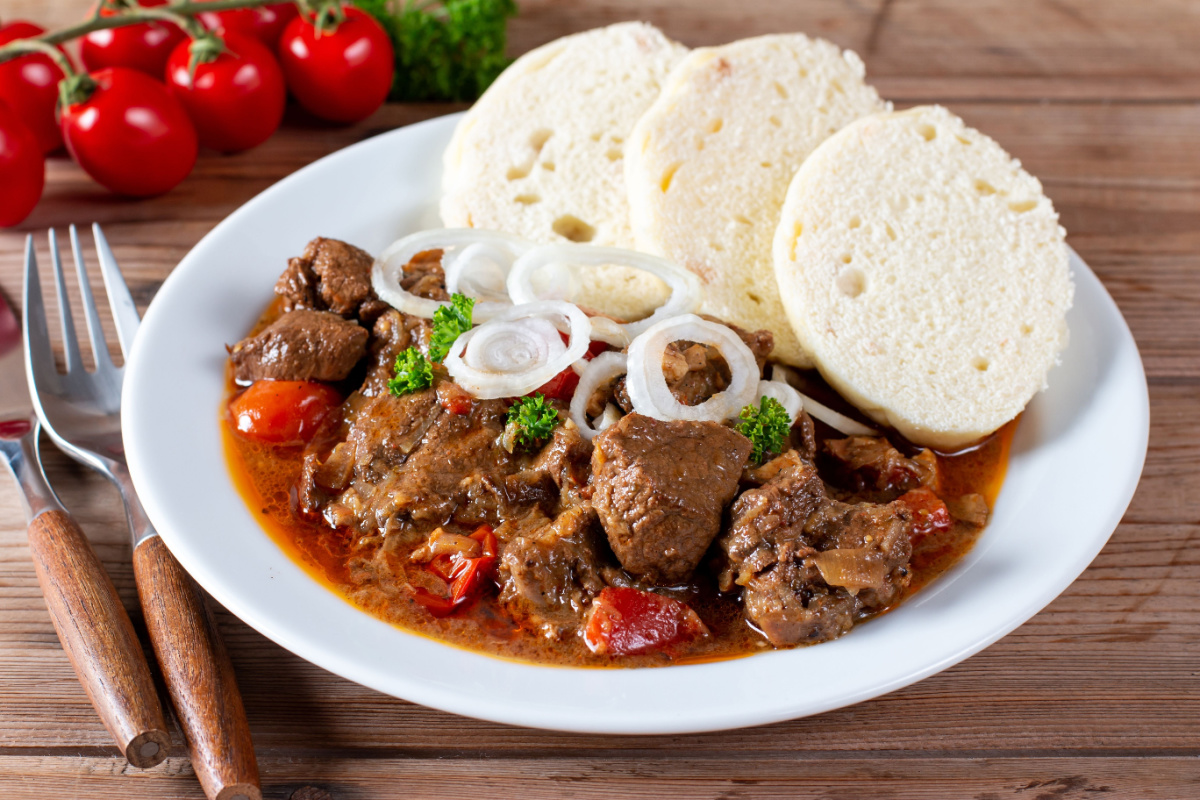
(839, 422)
(470, 247)
(518, 350)
(791, 400)
(647, 385)
(600, 369)
(686, 292)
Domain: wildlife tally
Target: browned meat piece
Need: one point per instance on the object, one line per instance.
(301, 345)
(768, 521)
(870, 467)
(970, 508)
(810, 566)
(566, 458)
(660, 487)
(550, 571)
(760, 342)
(330, 276)
(804, 437)
(424, 277)
(393, 333)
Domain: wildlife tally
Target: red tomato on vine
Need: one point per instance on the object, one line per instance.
(22, 168)
(29, 85)
(235, 100)
(144, 46)
(129, 133)
(264, 23)
(340, 72)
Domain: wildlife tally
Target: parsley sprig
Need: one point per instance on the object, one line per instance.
(448, 50)
(766, 427)
(531, 420)
(449, 322)
(413, 373)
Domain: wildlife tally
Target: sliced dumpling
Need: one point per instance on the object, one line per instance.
(927, 274)
(709, 164)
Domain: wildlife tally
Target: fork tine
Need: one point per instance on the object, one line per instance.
(124, 310)
(70, 341)
(90, 313)
(39, 358)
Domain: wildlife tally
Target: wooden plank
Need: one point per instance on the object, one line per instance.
(709, 775)
(998, 49)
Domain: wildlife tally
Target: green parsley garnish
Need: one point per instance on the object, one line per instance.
(766, 427)
(447, 50)
(531, 420)
(449, 322)
(413, 373)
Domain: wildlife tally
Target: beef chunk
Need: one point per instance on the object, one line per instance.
(301, 345)
(869, 466)
(660, 487)
(550, 571)
(810, 566)
(330, 276)
(424, 277)
(393, 333)
(566, 458)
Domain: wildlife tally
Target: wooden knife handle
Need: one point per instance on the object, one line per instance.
(198, 673)
(98, 637)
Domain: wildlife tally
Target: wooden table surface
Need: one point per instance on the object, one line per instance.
(1097, 696)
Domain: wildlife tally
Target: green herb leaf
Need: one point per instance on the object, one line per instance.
(532, 420)
(448, 50)
(766, 427)
(413, 373)
(450, 322)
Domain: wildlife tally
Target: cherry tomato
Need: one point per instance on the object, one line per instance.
(236, 101)
(626, 621)
(144, 47)
(29, 85)
(930, 514)
(283, 412)
(22, 168)
(341, 75)
(264, 23)
(130, 135)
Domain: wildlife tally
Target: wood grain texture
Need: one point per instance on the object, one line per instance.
(198, 674)
(1096, 696)
(98, 638)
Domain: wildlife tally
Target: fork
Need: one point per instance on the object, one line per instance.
(81, 412)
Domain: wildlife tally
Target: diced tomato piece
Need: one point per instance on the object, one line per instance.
(443, 566)
(930, 514)
(283, 412)
(486, 537)
(626, 621)
(560, 387)
(471, 577)
(438, 606)
(454, 398)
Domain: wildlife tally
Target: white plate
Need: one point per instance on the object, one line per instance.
(1076, 459)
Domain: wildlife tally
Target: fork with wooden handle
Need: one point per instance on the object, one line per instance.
(81, 412)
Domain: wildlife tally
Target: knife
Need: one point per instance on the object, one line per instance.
(92, 625)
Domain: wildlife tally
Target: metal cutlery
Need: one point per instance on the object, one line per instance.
(91, 623)
(81, 412)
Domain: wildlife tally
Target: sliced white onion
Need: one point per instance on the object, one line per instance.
(787, 396)
(600, 370)
(610, 332)
(518, 350)
(838, 421)
(476, 263)
(647, 385)
(686, 292)
(610, 417)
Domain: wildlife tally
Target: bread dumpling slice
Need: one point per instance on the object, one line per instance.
(540, 154)
(927, 274)
(709, 164)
